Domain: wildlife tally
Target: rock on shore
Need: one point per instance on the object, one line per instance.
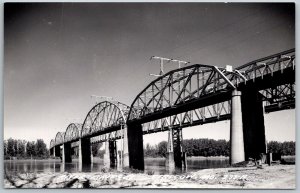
(269, 177)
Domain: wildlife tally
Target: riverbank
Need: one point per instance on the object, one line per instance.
(269, 177)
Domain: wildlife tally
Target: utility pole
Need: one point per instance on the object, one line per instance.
(168, 60)
(180, 62)
(161, 59)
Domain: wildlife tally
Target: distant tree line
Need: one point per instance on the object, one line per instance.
(211, 147)
(284, 148)
(22, 149)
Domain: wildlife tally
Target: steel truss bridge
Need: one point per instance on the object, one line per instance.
(188, 96)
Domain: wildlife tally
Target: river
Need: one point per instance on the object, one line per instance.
(153, 165)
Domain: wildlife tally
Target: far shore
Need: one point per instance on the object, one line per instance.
(147, 158)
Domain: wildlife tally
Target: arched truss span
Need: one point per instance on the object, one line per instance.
(73, 132)
(52, 143)
(59, 138)
(104, 116)
(268, 65)
(182, 85)
(277, 97)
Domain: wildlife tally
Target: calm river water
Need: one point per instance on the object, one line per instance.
(156, 165)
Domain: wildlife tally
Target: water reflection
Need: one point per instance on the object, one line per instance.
(152, 165)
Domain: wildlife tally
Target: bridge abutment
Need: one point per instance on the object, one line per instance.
(110, 155)
(237, 153)
(135, 146)
(253, 123)
(67, 153)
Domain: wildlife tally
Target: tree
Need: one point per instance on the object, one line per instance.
(96, 149)
(41, 149)
(162, 149)
(5, 148)
(10, 147)
(20, 148)
(30, 149)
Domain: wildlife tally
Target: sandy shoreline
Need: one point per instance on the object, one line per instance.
(270, 177)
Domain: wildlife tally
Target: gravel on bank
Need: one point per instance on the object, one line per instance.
(269, 177)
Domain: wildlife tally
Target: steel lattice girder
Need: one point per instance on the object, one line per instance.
(182, 85)
(52, 143)
(279, 93)
(114, 135)
(104, 116)
(217, 112)
(73, 132)
(279, 97)
(59, 138)
(268, 65)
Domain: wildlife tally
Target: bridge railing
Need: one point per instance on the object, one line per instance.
(268, 65)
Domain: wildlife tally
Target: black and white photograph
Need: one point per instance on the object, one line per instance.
(158, 95)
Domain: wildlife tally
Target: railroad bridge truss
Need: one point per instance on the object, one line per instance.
(188, 96)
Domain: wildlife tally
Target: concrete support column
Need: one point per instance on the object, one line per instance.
(57, 151)
(236, 129)
(253, 123)
(67, 153)
(125, 160)
(106, 157)
(175, 156)
(84, 152)
(135, 146)
(170, 152)
(110, 156)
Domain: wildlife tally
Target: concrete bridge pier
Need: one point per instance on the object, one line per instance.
(50, 151)
(85, 152)
(56, 152)
(170, 162)
(253, 123)
(175, 159)
(67, 153)
(237, 153)
(135, 146)
(110, 155)
(125, 161)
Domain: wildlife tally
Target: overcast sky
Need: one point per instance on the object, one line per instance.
(58, 55)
